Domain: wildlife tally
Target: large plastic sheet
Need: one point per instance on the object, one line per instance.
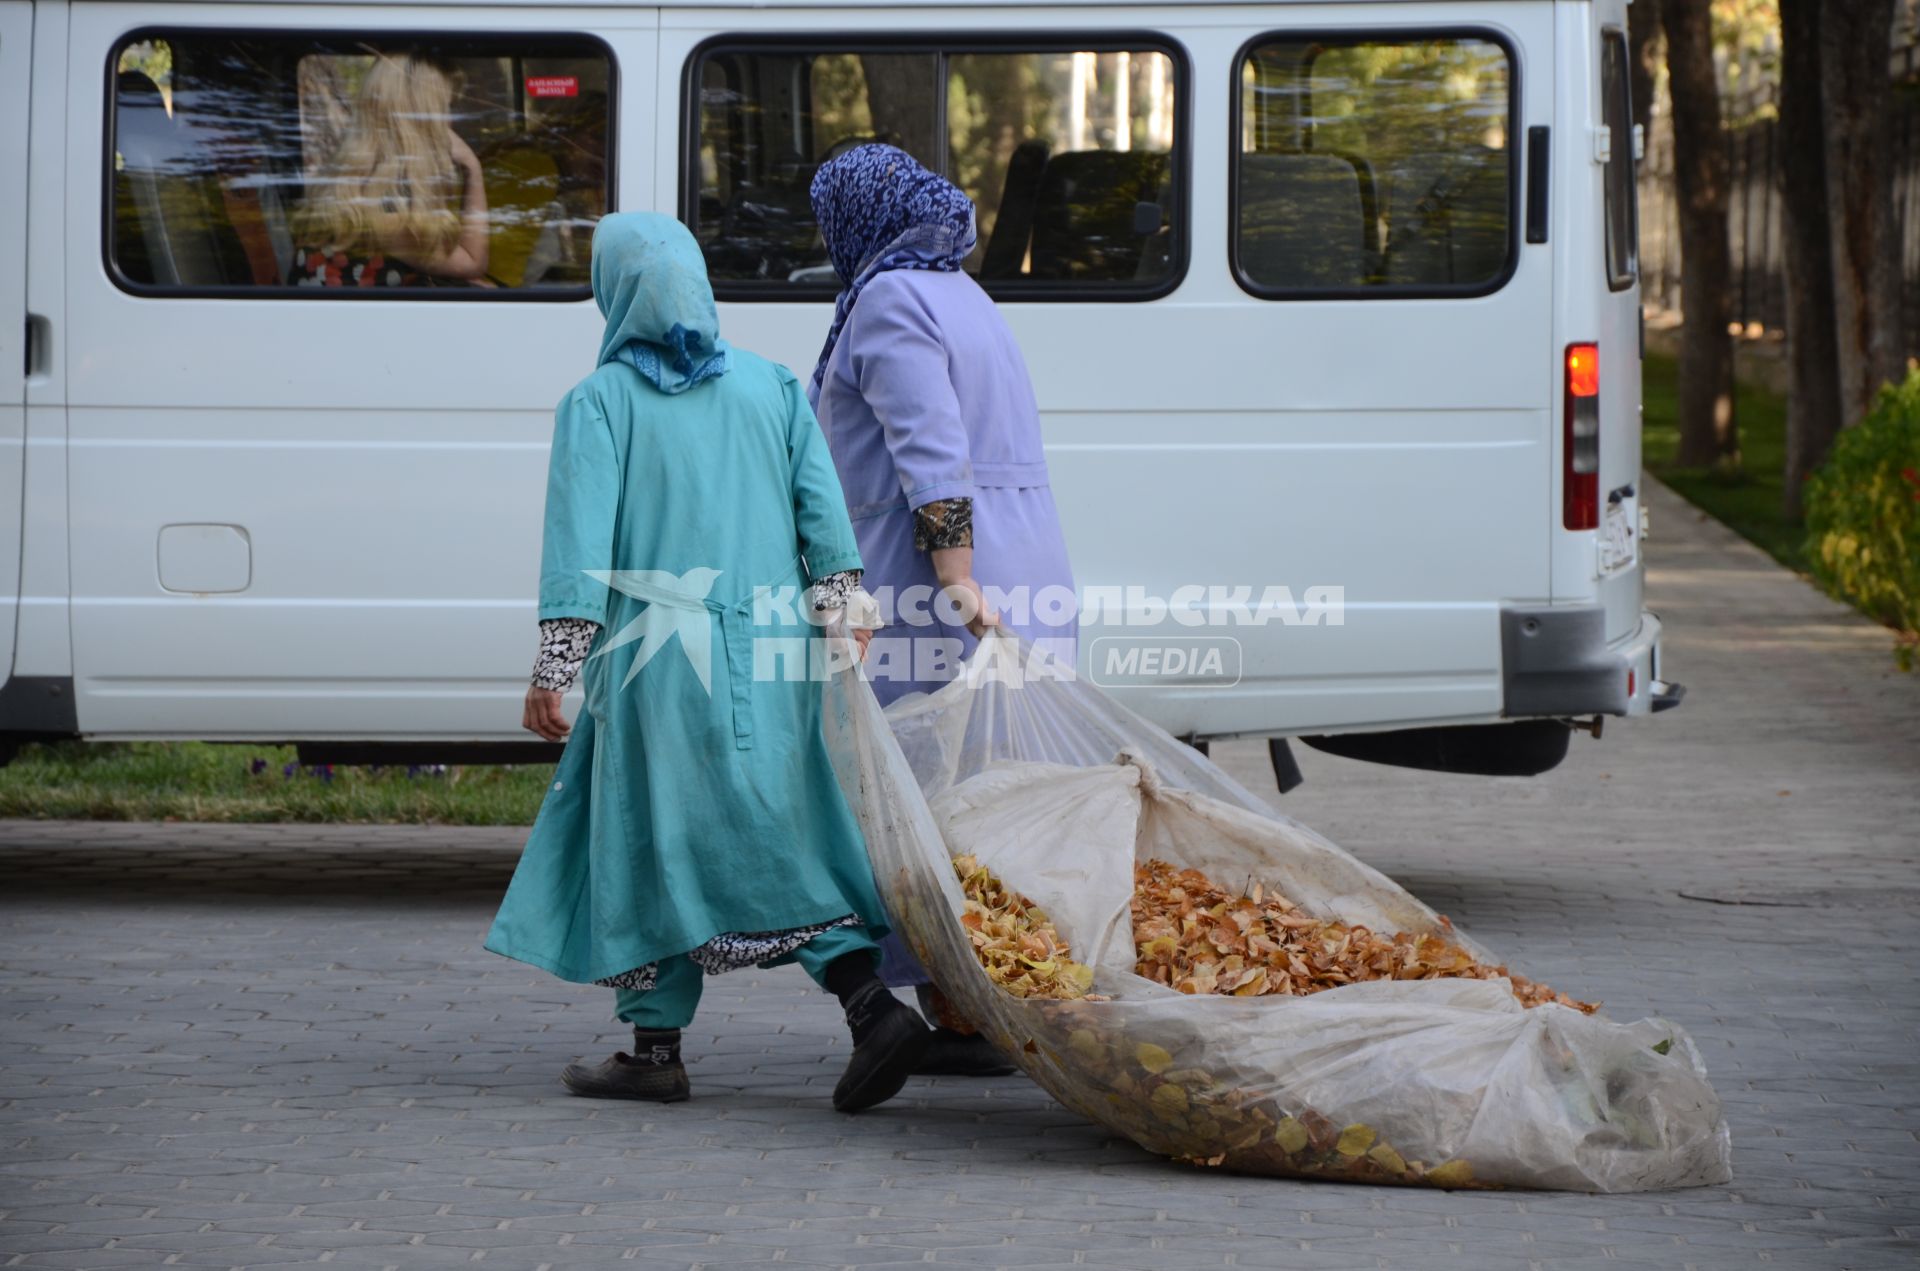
(1059, 789)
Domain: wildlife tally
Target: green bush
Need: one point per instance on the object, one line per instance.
(1863, 514)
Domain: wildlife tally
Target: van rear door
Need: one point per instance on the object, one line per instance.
(1615, 282)
(16, 64)
(1365, 400)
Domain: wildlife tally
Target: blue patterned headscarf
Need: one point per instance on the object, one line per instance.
(878, 209)
(650, 281)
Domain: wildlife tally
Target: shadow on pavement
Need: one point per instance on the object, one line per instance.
(287, 872)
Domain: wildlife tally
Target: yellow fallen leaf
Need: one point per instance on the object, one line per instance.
(1387, 1159)
(1354, 1140)
(1153, 1058)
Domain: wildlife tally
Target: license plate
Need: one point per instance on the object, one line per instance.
(1616, 536)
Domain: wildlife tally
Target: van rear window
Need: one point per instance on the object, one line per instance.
(1374, 167)
(1071, 154)
(366, 165)
(1623, 200)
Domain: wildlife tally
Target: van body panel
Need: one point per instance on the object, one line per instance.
(1622, 586)
(1212, 438)
(1592, 307)
(362, 479)
(16, 87)
(385, 461)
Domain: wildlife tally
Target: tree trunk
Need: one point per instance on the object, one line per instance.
(900, 89)
(1644, 51)
(1855, 40)
(1708, 434)
(980, 154)
(1813, 393)
(1643, 58)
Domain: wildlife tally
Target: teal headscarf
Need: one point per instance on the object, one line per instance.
(650, 281)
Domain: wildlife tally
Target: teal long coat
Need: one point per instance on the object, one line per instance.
(681, 810)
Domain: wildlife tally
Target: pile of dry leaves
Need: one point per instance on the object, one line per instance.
(1200, 940)
(1197, 938)
(1015, 940)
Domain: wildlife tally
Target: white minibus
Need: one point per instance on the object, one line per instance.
(1331, 309)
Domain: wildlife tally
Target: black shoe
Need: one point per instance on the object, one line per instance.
(892, 1038)
(952, 1054)
(624, 1077)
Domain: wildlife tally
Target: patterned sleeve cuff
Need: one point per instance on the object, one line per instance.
(945, 523)
(832, 591)
(563, 647)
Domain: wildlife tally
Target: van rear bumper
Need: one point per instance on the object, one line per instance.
(1555, 660)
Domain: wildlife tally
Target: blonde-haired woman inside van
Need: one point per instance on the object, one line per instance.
(401, 200)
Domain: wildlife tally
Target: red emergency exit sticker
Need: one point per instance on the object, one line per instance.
(553, 86)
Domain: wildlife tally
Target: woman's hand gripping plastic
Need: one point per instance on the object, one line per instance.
(850, 629)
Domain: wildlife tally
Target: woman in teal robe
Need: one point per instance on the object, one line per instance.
(694, 823)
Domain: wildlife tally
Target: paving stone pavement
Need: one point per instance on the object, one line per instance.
(235, 1046)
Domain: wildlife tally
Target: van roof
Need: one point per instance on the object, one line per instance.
(815, 4)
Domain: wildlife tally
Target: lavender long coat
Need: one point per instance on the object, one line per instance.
(926, 397)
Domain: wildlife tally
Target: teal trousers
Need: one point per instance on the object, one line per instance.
(675, 994)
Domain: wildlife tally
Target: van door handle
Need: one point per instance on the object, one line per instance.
(39, 349)
(1539, 181)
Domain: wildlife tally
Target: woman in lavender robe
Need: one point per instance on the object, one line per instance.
(932, 424)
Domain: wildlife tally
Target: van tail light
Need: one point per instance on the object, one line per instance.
(1581, 486)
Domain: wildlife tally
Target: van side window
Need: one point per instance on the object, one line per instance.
(268, 164)
(1374, 167)
(1623, 199)
(1069, 154)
